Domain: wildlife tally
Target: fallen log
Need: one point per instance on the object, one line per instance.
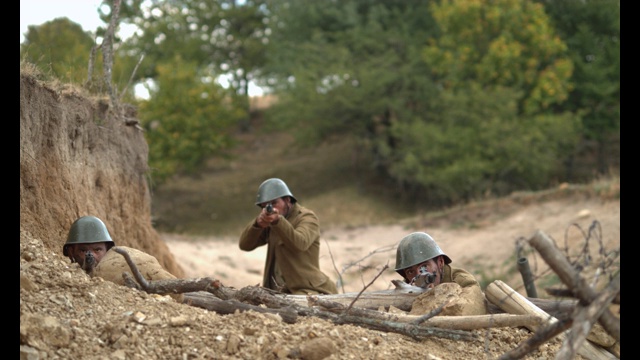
(401, 297)
(207, 301)
(403, 300)
(210, 294)
(417, 332)
(560, 309)
(464, 322)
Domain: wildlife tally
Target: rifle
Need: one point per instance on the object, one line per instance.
(424, 278)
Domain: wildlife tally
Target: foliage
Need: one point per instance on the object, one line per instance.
(347, 67)
(451, 100)
(454, 99)
(187, 119)
(501, 68)
(60, 48)
(477, 145)
(219, 36)
(591, 30)
(508, 43)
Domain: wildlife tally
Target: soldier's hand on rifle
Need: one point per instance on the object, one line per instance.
(269, 215)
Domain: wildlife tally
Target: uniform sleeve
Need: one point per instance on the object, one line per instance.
(301, 236)
(253, 236)
(463, 278)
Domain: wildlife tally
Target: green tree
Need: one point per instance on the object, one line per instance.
(453, 99)
(219, 37)
(502, 72)
(591, 30)
(501, 43)
(187, 119)
(59, 48)
(348, 68)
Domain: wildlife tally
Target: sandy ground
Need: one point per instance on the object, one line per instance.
(485, 248)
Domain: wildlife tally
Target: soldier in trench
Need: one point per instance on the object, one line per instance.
(88, 242)
(90, 245)
(292, 235)
(421, 262)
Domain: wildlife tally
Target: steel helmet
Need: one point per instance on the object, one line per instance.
(271, 189)
(87, 230)
(416, 248)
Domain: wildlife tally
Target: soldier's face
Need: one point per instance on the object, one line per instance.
(283, 205)
(79, 251)
(433, 266)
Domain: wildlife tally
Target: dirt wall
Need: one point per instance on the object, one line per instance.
(77, 159)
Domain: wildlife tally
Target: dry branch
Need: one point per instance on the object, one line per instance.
(175, 286)
(212, 295)
(470, 322)
(198, 294)
(572, 279)
(258, 295)
(585, 317)
(206, 301)
(511, 301)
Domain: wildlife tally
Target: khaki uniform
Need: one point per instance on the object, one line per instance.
(293, 253)
(460, 276)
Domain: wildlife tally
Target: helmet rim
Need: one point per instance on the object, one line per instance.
(87, 230)
(272, 189)
(417, 248)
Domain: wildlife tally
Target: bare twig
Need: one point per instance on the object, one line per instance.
(431, 313)
(107, 51)
(333, 262)
(92, 56)
(376, 251)
(135, 69)
(175, 286)
(540, 337)
(385, 267)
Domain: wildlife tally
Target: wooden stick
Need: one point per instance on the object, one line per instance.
(206, 301)
(585, 317)
(512, 302)
(571, 278)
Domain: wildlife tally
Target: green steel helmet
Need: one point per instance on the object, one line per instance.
(87, 230)
(272, 189)
(416, 248)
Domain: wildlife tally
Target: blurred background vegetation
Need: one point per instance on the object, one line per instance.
(398, 105)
